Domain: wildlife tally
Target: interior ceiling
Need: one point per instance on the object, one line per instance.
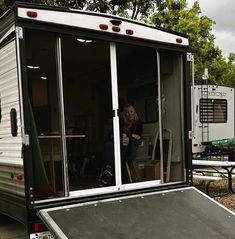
(77, 58)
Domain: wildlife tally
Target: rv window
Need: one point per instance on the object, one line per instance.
(213, 111)
(13, 116)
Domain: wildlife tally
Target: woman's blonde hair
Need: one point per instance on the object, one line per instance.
(135, 113)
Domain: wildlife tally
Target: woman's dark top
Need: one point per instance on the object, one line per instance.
(136, 128)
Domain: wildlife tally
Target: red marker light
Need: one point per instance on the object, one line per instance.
(116, 29)
(195, 145)
(179, 40)
(32, 14)
(39, 227)
(19, 177)
(129, 32)
(103, 27)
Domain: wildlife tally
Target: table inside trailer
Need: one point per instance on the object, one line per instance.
(181, 213)
(221, 167)
(52, 142)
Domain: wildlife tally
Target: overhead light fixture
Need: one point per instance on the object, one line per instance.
(33, 67)
(43, 77)
(84, 40)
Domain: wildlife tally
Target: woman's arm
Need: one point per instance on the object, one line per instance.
(137, 130)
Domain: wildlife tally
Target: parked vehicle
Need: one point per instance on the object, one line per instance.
(64, 78)
(213, 120)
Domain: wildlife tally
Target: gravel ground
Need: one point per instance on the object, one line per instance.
(219, 191)
(228, 201)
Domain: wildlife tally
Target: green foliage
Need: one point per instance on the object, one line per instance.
(3, 7)
(177, 16)
(6, 4)
(131, 9)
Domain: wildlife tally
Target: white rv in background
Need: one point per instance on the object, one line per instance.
(212, 115)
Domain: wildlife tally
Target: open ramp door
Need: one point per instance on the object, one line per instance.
(182, 214)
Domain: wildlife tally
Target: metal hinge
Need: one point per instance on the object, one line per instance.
(26, 139)
(190, 57)
(19, 32)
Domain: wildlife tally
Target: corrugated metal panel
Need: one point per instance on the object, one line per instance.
(7, 58)
(11, 161)
(12, 179)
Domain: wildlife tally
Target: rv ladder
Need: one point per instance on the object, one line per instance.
(204, 109)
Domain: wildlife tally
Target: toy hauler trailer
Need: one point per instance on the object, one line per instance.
(64, 75)
(213, 120)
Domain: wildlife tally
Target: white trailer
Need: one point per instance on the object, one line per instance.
(212, 115)
(64, 77)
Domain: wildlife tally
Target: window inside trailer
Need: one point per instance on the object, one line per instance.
(80, 94)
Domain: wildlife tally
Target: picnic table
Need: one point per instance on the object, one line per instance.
(224, 168)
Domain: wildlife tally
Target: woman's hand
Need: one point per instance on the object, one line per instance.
(125, 140)
(135, 136)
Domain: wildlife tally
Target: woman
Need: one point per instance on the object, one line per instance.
(131, 131)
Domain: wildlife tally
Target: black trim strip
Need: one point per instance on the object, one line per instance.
(187, 117)
(112, 37)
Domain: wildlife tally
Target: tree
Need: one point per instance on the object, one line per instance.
(6, 4)
(3, 7)
(133, 9)
(177, 16)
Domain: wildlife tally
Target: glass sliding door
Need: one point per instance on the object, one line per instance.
(88, 112)
(138, 104)
(171, 76)
(44, 114)
(71, 113)
(150, 95)
(102, 114)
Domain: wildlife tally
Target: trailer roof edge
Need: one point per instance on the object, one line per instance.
(42, 6)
